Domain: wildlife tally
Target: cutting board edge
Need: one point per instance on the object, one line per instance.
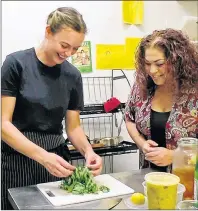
(94, 200)
(58, 204)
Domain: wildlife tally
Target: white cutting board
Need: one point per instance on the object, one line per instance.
(61, 197)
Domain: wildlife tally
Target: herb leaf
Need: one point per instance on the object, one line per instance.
(82, 182)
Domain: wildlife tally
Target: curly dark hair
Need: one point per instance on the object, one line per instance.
(181, 56)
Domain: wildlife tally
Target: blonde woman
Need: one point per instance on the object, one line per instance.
(39, 88)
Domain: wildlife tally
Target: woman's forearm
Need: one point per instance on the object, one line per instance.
(15, 139)
(134, 134)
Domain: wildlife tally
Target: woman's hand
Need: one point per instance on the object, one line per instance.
(93, 162)
(148, 146)
(57, 166)
(160, 156)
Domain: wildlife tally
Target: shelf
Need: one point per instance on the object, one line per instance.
(98, 109)
(123, 148)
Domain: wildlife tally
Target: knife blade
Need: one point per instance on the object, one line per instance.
(103, 204)
(108, 204)
(117, 201)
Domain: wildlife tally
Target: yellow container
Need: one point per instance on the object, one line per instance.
(161, 190)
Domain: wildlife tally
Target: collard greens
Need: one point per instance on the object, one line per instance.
(81, 182)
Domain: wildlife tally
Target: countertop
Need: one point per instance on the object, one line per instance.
(30, 197)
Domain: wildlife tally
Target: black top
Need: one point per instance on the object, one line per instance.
(158, 125)
(43, 94)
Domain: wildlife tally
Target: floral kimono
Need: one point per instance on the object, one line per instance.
(182, 122)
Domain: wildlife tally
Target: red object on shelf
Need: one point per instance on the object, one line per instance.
(111, 104)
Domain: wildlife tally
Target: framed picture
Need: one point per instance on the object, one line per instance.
(82, 58)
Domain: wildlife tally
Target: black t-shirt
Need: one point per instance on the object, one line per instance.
(43, 94)
(158, 125)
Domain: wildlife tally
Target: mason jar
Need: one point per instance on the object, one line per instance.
(184, 161)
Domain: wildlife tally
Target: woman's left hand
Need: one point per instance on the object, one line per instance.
(160, 156)
(93, 162)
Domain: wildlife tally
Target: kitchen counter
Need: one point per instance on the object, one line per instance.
(30, 197)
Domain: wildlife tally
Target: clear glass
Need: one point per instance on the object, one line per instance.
(196, 178)
(184, 161)
(188, 205)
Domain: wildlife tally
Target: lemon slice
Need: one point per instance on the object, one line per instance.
(192, 160)
(137, 198)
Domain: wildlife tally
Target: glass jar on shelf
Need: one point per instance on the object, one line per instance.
(196, 178)
(184, 161)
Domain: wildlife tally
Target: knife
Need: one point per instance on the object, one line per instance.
(108, 204)
(103, 204)
(116, 202)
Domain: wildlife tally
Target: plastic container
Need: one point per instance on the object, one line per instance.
(188, 205)
(161, 190)
(180, 191)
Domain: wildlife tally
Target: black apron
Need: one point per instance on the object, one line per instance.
(18, 170)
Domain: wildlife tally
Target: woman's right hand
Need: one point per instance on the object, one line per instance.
(57, 166)
(148, 145)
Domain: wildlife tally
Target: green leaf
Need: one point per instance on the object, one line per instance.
(81, 182)
(104, 189)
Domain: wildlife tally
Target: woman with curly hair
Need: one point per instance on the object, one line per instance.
(163, 103)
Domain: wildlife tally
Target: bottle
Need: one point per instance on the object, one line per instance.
(184, 161)
(196, 178)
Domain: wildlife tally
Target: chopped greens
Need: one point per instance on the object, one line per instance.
(104, 189)
(82, 182)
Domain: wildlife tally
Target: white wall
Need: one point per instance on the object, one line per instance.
(23, 22)
(23, 25)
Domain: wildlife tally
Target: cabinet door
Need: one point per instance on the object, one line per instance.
(126, 162)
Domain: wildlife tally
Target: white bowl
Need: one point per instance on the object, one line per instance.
(188, 205)
(132, 206)
(180, 191)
